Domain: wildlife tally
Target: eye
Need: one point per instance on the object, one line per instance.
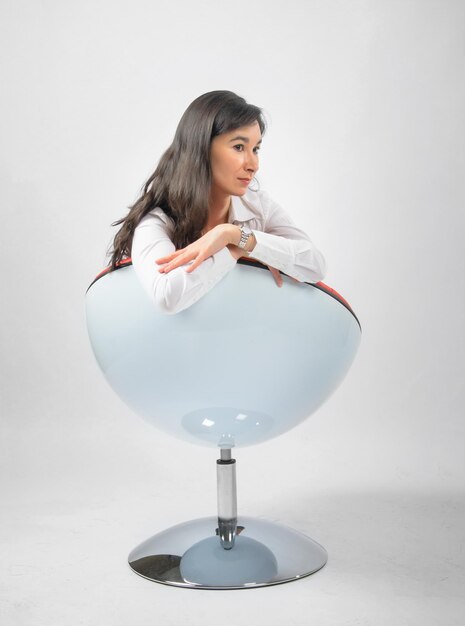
(241, 145)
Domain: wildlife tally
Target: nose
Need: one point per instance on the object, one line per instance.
(251, 164)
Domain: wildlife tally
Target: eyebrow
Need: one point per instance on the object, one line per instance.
(246, 139)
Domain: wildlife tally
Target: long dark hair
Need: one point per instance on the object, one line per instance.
(181, 182)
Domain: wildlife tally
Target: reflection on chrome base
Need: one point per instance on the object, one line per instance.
(191, 555)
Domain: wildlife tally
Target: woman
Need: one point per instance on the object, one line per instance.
(197, 215)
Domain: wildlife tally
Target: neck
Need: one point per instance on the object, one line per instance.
(218, 211)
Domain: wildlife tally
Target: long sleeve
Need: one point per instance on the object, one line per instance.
(176, 290)
(285, 246)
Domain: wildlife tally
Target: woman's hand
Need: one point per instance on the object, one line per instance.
(207, 245)
(239, 252)
(277, 276)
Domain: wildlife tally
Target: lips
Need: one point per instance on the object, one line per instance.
(246, 179)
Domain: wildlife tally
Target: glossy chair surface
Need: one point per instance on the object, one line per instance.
(246, 363)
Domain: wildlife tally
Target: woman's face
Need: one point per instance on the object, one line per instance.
(234, 159)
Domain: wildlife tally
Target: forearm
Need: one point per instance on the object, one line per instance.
(298, 258)
(177, 290)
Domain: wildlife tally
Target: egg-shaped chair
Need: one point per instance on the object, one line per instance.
(244, 364)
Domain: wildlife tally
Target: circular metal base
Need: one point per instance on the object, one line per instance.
(191, 555)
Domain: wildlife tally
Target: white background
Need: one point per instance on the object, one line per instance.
(365, 150)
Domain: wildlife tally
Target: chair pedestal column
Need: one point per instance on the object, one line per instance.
(227, 498)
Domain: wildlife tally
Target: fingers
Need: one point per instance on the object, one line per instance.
(195, 264)
(198, 251)
(169, 257)
(179, 260)
(182, 259)
(276, 275)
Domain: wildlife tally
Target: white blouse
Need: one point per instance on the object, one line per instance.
(280, 244)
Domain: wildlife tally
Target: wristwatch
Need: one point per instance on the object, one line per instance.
(245, 236)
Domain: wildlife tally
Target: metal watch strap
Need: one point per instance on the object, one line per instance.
(244, 237)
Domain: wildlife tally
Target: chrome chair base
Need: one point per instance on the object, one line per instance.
(190, 554)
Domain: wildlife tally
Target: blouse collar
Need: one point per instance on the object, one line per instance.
(239, 211)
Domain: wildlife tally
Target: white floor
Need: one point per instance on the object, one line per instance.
(73, 506)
